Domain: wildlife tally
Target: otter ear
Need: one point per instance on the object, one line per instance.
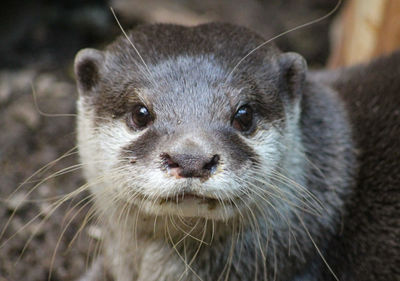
(87, 67)
(293, 73)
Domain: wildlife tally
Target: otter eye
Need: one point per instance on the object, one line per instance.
(139, 118)
(243, 118)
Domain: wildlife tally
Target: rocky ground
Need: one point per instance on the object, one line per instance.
(39, 40)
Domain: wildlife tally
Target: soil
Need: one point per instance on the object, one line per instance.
(40, 240)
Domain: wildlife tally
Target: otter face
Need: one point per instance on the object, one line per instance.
(176, 136)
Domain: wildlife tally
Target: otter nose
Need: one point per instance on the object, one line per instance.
(190, 166)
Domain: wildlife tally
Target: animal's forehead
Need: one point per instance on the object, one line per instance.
(159, 41)
(190, 83)
(202, 67)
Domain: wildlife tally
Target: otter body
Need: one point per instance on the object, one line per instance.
(205, 166)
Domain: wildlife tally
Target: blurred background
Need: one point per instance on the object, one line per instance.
(38, 41)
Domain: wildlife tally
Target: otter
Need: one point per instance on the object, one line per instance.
(206, 163)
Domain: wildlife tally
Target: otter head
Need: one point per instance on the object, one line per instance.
(179, 129)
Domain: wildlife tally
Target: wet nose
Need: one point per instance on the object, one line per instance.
(190, 166)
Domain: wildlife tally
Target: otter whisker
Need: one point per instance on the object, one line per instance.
(133, 45)
(279, 193)
(42, 169)
(201, 242)
(281, 178)
(89, 215)
(269, 194)
(179, 255)
(316, 247)
(52, 208)
(286, 219)
(52, 260)
(309, 23)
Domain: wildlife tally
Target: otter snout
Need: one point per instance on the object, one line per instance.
(190, 165)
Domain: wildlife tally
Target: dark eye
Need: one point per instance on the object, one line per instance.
(243, 118)
(139, 118)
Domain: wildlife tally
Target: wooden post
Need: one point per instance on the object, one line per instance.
(365, 29)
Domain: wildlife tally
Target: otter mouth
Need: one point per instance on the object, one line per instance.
(189, 204)
(195, 199)
(189, 196)
(190, 199)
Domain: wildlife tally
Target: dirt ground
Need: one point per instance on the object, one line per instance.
(39, 40)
